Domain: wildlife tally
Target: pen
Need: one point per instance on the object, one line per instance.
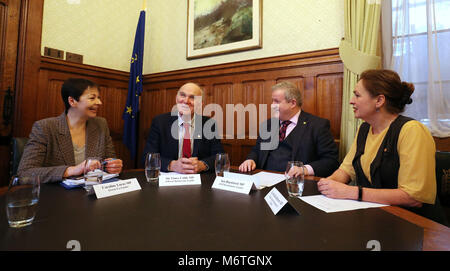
(106, 162)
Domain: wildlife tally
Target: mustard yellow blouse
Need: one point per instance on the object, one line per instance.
(416, 149)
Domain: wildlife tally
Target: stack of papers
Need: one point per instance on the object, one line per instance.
(330, 205)
(71, 183)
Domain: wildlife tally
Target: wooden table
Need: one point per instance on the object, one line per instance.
(202, 218)
(436, 235)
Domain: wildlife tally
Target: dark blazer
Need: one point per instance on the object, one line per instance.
(49, 151)
(314, 145)
(160, 140)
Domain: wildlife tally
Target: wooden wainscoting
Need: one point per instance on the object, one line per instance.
(442, 144)
(318, 74)
(113, 86)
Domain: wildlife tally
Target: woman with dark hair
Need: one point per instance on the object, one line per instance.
(392, 158)
(58, 146)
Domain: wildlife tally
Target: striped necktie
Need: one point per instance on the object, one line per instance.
(283, 128)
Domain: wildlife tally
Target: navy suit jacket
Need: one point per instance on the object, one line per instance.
(160, 140)
(314, 145)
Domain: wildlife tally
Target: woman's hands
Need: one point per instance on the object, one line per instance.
(75, 170)
(337, 190)
(111, 166)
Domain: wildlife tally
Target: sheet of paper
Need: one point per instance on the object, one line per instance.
(268, 179)
(330, 205)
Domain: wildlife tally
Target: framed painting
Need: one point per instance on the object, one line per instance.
(217, 27)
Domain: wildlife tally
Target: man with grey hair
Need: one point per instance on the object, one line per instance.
(302, 137)
(178, 135)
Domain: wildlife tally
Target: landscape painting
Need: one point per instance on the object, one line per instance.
(223, 26)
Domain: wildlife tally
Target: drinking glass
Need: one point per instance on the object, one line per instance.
(21, 200)
(152, 167)
(93, 171)
(295, 184)
(222, 164)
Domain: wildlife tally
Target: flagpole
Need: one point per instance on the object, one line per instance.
(136, 158)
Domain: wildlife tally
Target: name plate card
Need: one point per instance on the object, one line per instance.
(179, 179)
(238, 186)
(275, 200)
(116, 188)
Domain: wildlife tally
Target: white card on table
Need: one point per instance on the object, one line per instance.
(115, 188)
(275, 200)
(242, 177)
(179, 179)
(238, 186)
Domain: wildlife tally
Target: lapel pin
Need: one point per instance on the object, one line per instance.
(304, 122)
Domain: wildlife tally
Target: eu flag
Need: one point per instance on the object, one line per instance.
(130, 114)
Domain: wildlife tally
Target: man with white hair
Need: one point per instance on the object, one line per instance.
(302, 137)
(178, 136)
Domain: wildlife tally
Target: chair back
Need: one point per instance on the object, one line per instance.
(17, 146)
(443, 176)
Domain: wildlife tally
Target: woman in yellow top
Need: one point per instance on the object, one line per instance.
(392, 159)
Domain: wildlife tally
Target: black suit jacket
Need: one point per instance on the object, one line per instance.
(313, 145)
(160, 140)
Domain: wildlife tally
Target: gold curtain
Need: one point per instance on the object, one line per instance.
(358, 51)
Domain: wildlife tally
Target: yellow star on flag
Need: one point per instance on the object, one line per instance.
(129, 110)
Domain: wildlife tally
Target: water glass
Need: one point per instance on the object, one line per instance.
(93, 171)
(295, 184)
(152, 167)
(222, 164)
(21, 200)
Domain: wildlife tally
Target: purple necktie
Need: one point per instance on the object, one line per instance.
(283, 128)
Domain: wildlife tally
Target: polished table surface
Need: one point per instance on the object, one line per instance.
(201, 218)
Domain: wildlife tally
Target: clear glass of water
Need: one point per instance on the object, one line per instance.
(93, 171)
(21, 200)
(222, 164)
(295, 184)
(152, 167)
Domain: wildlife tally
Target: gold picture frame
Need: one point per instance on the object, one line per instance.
(216, 27)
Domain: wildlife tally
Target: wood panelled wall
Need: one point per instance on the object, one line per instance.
(318, 74)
